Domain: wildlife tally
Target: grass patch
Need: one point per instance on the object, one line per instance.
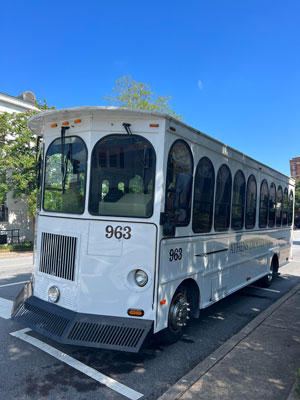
(26, 246)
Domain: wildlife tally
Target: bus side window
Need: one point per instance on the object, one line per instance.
(279, 206)
(272, 205)
(180, 160)
(203, 196)
(263, 204)
(238, 201)
(285, 207)
(223, 199)
(291, 208)
(251, 202)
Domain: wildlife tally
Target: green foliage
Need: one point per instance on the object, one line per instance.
(18, 157)
(132, 94)
(26, 246)
(297, 197)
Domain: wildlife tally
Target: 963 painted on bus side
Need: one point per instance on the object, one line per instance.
(142, 221)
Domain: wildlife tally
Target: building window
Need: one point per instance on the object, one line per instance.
(223, 199)
(279, 206)
(285, 207)
(203, 196)
(290, 208)
(251, 202)
(272, 205)
(238, 201)
(263, 204)
(3, 213)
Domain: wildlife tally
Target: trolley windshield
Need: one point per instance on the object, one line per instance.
(65, 176)
(122, 177)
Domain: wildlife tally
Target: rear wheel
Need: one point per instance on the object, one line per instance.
(178, 316)
(267, 280)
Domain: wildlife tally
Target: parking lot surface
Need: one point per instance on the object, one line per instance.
(35, 368)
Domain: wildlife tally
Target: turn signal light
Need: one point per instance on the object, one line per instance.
(135, 313)
(53, 125)
(248, 278)
(77, 121)
(65, 123)
(154, 125)
(163, 302)
(172, 129)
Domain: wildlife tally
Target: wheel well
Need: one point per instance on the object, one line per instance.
(194, 292)
(275, 262)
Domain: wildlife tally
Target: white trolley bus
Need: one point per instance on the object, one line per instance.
(143, 221)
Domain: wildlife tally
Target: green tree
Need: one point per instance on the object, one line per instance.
(18, 157)
(132, 94)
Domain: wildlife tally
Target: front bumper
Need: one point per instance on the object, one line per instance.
(69, 327)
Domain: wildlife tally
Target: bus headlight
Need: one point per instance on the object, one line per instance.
(53, 294)
(141, 278)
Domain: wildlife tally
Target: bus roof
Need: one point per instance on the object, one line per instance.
(38, 121)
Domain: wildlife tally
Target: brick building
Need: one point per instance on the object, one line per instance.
(295, 167)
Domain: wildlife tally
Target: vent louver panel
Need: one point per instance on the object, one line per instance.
(106, 334)
(42, 320)
(69, 327)
(58, 255)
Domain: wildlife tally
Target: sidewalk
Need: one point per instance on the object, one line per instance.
(11, 254)
(260, 362)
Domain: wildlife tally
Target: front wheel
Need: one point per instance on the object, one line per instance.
(178, 316)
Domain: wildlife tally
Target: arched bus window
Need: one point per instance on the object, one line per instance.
(238, 201)
(251, 203)
(122, 177)
(272, 205)
(180, 161)
(65, 176)
(263, 204)
(223, 199)
(291, 208)
(203, 196)
(279, 206)
(285, 207)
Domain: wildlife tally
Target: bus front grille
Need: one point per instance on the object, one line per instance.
(110, 335)
(41, 320)
(58, 255)
(69, 327)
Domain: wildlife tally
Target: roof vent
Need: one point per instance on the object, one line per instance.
(27, 96)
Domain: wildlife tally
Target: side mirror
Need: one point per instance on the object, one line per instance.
(169, 229)
(183, 190)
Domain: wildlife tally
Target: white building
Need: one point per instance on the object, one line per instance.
(13, 215)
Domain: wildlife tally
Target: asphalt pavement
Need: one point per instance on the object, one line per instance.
(213, 357)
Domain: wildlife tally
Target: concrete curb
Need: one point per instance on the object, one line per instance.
(294, 394)
(181, 386)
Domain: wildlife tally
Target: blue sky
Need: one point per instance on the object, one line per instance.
(232, 67)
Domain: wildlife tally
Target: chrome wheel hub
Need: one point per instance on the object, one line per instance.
(179, 312)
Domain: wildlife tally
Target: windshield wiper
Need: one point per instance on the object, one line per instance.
(132, 138)
(64, 163)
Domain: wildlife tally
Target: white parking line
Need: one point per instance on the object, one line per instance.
(263, 288)
(5, 308)
(11, 284)
(79, 366)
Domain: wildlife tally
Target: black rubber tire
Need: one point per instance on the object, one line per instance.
(267, 280)
(169, 335)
